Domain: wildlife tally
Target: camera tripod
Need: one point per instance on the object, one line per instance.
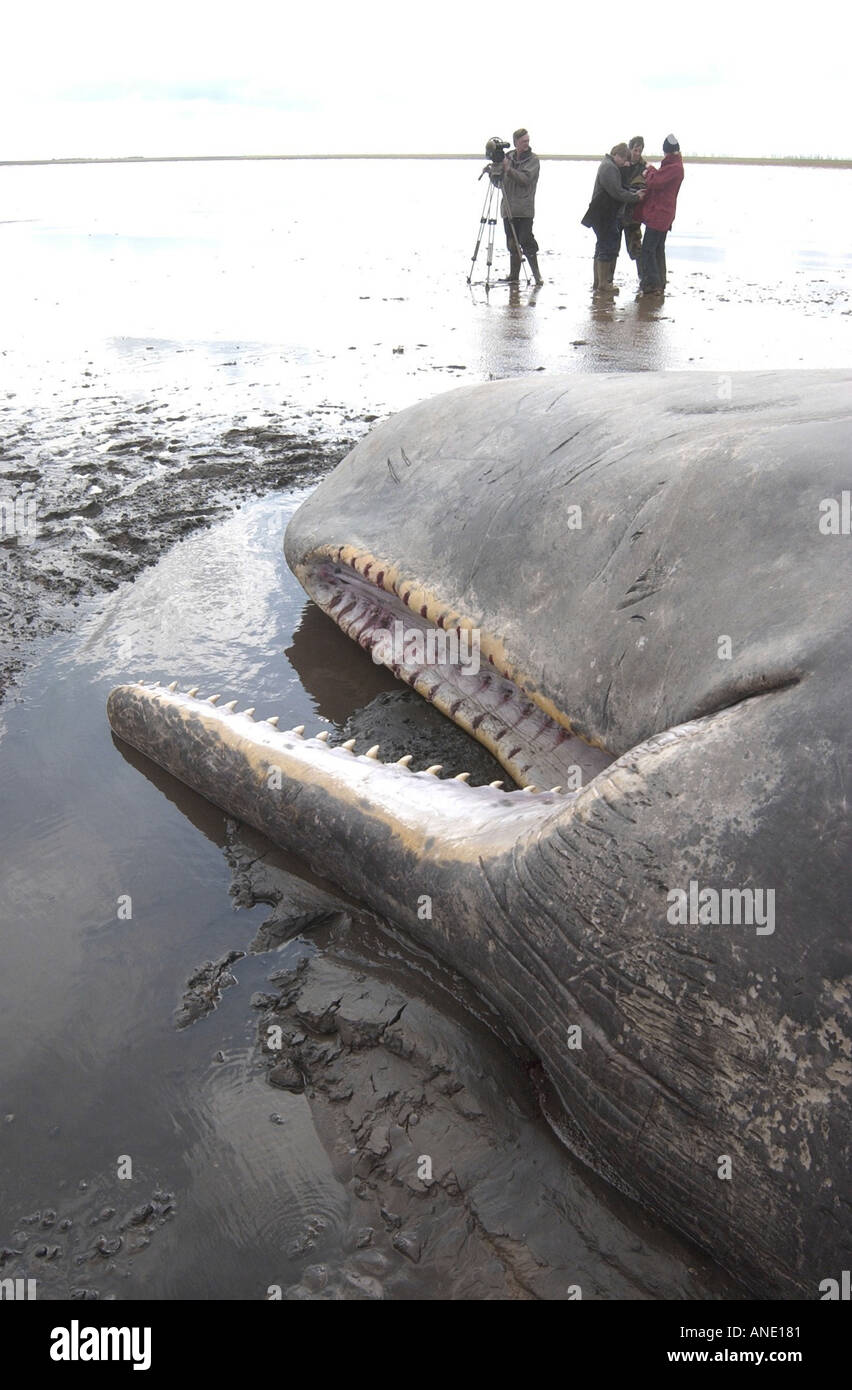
(489, 220)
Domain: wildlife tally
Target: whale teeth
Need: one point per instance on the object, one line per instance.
(434, 769)
(461, 777)
(212, 699)
(531, 788)
(273, 720)
(247, 713)
(193, 691)
(405, 760)
(348, 745)
(140, 682)
(372, 752)
(495, 784)
(323, 736)
(230, 706)
(556, 789)
(298, 731)
(173, 686)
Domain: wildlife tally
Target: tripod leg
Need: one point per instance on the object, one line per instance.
(492, 224)
(482, 222)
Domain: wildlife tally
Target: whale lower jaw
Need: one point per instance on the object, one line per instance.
(253, 770)
(190, 735)
(456, 667)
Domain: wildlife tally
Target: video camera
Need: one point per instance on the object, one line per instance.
(495, 153)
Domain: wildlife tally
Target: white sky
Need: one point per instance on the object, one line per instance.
(384, 76)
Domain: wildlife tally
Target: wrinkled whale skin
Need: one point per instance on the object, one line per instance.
(712, 1084)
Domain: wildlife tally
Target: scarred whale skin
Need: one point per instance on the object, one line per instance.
(695, 626)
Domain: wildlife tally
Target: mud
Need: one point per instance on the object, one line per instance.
(204, 988)
(118, 493)
(402, 722)
(81, 1248)
(424, 1103)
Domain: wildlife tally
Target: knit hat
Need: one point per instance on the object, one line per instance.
(670, 145)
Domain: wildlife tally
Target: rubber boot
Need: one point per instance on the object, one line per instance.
(607, 269)
(514, 267)
(597, 265)
(532, 257)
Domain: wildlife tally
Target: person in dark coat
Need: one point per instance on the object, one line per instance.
(608, 196)
(633, 176)
(658, 214)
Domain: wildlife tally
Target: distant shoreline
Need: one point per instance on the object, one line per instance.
(791, 161)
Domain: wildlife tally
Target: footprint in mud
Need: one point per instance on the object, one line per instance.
(82, 1249)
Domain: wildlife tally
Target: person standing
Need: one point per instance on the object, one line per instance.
(608, 197)
(520, 176)
(658, 214)
(633, 176)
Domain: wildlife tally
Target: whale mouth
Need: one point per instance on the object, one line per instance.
(454, 665)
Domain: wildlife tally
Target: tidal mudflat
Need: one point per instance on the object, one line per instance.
(175, 345)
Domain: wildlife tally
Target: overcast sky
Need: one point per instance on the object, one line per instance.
(95, 78)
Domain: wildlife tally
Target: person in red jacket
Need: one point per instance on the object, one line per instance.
(658, 213)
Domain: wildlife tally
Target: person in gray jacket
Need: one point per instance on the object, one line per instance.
(520, 176)
(608, 197)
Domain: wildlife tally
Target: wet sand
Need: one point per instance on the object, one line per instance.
(118, 493)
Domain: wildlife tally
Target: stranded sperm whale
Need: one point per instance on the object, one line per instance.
(660, 605)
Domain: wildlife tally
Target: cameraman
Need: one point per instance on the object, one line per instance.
(520, 176)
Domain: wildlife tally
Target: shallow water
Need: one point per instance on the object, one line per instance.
(254, 297)
(313, 273)
(92, 1066)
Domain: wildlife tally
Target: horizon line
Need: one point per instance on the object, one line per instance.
(812, 161)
